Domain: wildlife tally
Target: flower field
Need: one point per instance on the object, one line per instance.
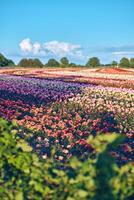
(67, 113)
(121, 78)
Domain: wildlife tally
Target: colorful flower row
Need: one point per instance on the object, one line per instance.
(67, 113)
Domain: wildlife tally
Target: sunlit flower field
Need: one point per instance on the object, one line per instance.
(66, 113)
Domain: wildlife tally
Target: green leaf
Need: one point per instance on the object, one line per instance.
(70, 198)
(19, 196)
(24, 146)
(82, 193)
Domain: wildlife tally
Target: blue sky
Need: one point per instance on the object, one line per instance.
(78, 29)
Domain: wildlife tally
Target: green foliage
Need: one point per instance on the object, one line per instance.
(4, 62)
(93, 62)
(114, 63)
(64, 62)
(72, 65)
(24, 176)
(132, 62)
(30, 63)
(124, 62)
(52, 63)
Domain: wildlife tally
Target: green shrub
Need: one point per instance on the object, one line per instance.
(24, 176)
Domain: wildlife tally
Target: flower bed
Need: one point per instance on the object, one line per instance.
(67, 113)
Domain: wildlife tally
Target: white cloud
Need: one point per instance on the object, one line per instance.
(61, 48)
(26, 45)
(123, 53)
(51, 48)
(36, 47)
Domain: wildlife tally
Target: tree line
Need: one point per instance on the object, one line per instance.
(5, 62)
(64, 62)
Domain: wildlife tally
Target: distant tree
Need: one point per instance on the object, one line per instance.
(114, 63)
(52, 63)
(72, 65)
(37, 62)
(23, 62)
(124, 62)
(132, 62)
(4, 62)
(10, 63)
(64, 62)
(106, 65)
(93, 62)
(30, 63)
(80, 65)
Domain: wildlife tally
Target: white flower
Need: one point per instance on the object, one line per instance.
(44, 156)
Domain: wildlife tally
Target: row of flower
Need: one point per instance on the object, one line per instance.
(67, 113)
(106, 73)
(117, 83)
(112, 77)
(38, 91)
